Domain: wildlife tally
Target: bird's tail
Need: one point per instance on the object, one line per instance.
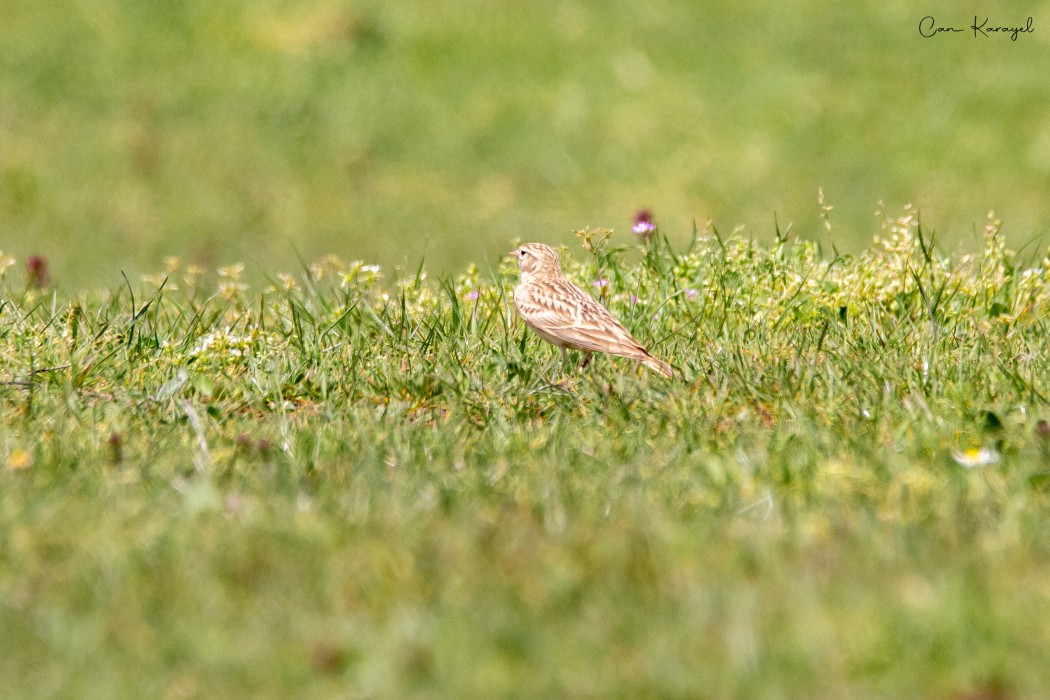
(658, 366)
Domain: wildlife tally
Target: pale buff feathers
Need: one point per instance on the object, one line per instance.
(566, 316)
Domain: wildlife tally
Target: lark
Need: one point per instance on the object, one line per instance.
(568, 317)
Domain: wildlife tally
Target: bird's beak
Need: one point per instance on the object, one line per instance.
(513, 253)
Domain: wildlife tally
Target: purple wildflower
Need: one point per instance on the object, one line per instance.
(601, 283)
(473, 294)
(644, 225)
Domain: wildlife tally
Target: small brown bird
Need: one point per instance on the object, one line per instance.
(566, 316)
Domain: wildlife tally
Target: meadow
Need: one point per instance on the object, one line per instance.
(269, 427)
(343, 484)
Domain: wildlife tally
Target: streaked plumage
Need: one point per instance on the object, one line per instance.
(566, 316)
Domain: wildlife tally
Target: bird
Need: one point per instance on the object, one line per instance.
(568, 317)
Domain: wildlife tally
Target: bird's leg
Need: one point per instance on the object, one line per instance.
(566, 379)
(586, 360)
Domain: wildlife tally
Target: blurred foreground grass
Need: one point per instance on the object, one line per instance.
(393, 132)
(344, 485)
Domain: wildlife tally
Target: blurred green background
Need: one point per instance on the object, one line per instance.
(395, 131)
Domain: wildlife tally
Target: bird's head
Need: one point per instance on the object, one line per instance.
(536, 259)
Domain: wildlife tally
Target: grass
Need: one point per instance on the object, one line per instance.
(345, 482)
(333, 479)
(217, 131)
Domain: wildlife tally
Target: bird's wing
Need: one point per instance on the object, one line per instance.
(560, 309)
